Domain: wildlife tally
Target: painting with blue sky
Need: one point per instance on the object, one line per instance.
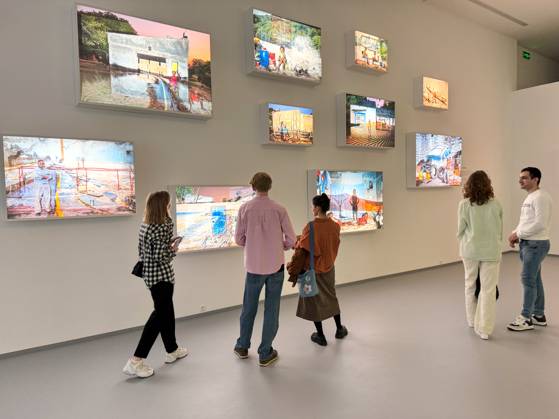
(290, 125)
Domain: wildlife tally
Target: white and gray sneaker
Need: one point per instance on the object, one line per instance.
(520, 324)
(539, 320)
(176, 354)
(138, 369)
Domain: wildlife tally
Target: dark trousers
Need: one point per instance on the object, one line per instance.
(162, 320)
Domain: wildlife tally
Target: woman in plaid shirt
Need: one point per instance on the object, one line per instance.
(156, 249)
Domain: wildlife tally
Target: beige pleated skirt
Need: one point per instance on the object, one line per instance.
(325, 304)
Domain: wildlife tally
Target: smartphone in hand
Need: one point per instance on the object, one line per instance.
(175, 241)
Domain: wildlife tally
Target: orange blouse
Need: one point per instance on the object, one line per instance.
(326, 243)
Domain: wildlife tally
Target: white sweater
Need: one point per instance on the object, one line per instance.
(535, 216)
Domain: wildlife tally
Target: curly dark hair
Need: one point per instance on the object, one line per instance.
(478, 188)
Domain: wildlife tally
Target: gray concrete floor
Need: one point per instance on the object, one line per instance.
(409, 354)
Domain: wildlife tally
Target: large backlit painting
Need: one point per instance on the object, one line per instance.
(48, 178)
(356, 197)
(284, 48)
(366, 122)
(206, 216)
(139, 64)
(288, 125)
(434, 160)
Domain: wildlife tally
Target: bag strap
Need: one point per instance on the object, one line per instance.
(311, 244)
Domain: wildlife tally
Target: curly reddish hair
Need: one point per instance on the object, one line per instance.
(478, 188)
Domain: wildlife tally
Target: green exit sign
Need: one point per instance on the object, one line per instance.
(526, 55)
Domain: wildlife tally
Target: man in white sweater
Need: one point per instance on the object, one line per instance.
(532, 233)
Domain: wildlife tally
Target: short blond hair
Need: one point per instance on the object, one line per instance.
(261, 182)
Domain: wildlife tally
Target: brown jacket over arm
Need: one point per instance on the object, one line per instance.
(297, 264)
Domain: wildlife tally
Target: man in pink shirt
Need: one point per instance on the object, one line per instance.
(265, 231)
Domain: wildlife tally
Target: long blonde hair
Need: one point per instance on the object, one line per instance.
(156, 211)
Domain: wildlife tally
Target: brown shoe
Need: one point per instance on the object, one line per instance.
(270, 359)
(241, 352)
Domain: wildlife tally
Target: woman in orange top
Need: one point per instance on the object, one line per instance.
(326, 244)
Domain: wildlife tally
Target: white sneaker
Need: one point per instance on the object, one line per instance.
(138, 369)
(177, 354)
(483, 336)
(520, 324)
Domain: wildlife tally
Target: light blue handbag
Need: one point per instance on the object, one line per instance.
(307, 280)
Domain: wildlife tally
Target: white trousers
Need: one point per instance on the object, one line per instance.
(480, 313)
(42, 197)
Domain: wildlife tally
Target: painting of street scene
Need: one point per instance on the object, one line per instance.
(137, 63)
(435, 93)
(290, 124)
(356, 198)
(206, 216)
(286, 47)
(438, 160)
(371, 51)
(370, 122)
(49, 178)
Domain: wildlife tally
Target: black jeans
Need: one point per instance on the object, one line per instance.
(162, 320)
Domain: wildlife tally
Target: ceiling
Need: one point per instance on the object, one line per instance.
(534, 23)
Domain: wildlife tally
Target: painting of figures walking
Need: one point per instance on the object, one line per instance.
(356, 197)
(138, 64)
(48, 178)
(284, 48)
(206, 216)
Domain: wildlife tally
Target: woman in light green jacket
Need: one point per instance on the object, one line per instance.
(480, 232)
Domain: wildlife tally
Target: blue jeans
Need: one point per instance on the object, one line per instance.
(532, 253)
(253, 286)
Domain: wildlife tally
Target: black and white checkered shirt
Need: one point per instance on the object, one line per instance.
(155, 251)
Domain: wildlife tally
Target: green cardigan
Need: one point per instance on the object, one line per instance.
(480, 230)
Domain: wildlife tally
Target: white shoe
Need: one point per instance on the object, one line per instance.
(177, 354)
(483, 336)
(520, 324)
(138, 369)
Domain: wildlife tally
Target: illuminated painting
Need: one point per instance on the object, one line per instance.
(369, 122)
(435, 93)
(356, 197)
(290, 125)
(285, 48)
(48, 178)
(370, 52)
(136, 63)
(206, 216)
(438, 160)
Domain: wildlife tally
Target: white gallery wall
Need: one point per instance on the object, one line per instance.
(534, 135)
(67, 279)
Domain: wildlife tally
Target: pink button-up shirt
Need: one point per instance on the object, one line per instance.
(265, 231)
